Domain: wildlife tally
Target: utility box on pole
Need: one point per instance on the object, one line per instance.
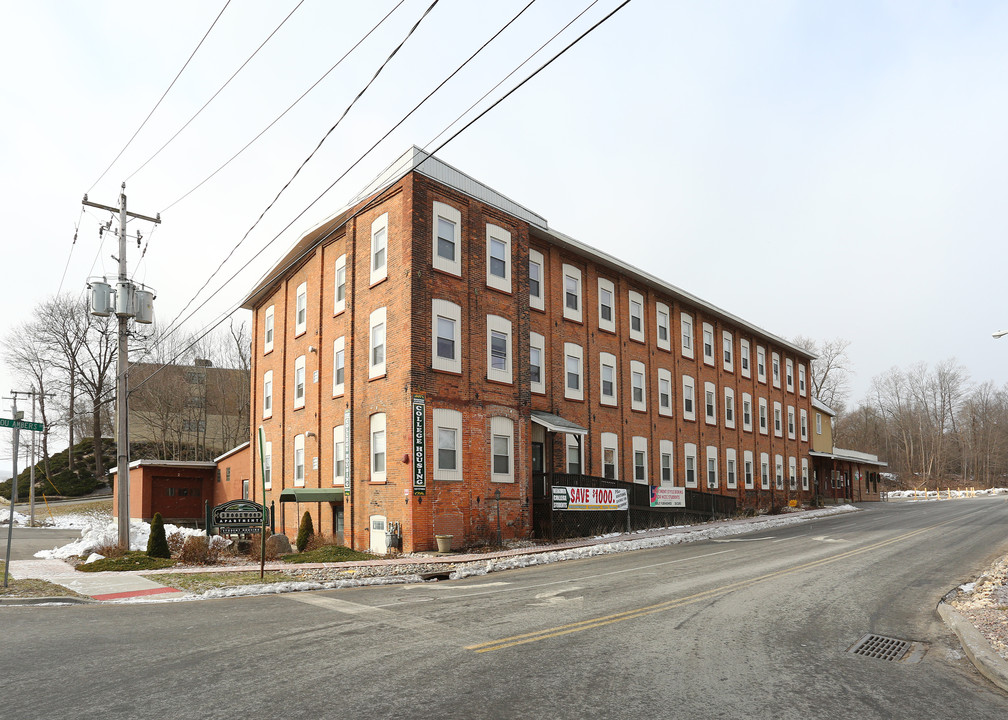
(101, 298)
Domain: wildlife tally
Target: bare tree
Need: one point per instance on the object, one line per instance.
(97, 376)
(26, 352)
(830, 371)
(63, 321)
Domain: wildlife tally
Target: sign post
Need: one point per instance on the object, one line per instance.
(17, 424)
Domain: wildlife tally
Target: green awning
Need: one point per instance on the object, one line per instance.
(312, 495)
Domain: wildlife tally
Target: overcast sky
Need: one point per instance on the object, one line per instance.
(820, 169)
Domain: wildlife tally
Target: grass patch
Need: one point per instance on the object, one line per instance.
(102, 505)
(134, 560)
(327, 553)
(201, 582)
(33, 588)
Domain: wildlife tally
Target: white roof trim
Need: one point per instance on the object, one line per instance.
(232, 451)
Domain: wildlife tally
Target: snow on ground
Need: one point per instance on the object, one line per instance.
(100, 530)
(940, 494)
(5, 516)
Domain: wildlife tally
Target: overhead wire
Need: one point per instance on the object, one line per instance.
(158, 103)
(307, 159)
(70, 254)
(281, 115)
(218, 92)
(209, 328)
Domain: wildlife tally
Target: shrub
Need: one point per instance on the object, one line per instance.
(175, 542)
(157, 543)
(195, 550)
(305, 532)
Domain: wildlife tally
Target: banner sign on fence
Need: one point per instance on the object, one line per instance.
(668, 496)
(419, 446)
(581, 498)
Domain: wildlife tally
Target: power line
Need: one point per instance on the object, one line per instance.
(281, 115)
(221, 88)
(158, 103)
(70, 254)
(307, 159)
(208, 329)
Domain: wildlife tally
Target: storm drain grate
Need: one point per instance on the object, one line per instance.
(881, 647)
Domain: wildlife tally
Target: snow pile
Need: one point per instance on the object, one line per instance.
(944, 494)
(99, 531)
(5, 517)
(701, 533)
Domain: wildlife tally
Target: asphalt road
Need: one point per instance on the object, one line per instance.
(751, 626)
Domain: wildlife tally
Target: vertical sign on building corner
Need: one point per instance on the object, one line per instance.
(419, 446)
(347, 445)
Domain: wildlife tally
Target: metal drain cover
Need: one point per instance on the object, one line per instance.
(887, 648)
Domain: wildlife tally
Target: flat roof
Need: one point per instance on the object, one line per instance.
(232, 451)
(181, 464)
(417, 160)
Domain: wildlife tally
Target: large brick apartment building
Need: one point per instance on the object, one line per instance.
(437, 300)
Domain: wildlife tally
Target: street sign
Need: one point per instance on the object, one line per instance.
(21, 424)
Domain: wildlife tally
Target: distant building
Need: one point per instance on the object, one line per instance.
(838, 474)
(188, 412)
(437, 353)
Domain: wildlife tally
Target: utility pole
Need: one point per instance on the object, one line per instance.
(125, 308)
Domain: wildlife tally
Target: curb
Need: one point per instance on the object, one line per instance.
(62, 600)
(991, 665)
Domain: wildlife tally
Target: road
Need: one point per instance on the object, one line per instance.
(755, 625)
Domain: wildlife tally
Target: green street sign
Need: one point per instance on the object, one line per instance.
(21, 424)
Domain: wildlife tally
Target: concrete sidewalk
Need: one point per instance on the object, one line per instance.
(97, 586)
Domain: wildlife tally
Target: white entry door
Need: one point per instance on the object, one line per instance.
(378, 545)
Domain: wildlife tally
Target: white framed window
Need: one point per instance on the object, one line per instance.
(376, 343)
(761, 364)
(537, 297)
(763, 427)
(537, 356)
(640, 460)
(268, 330)
(608, 391)
(708, 344)
(792, 473)
(501, 449)
(775, 367)
(765, 471)
(339, 455)
(448, 436)
(379, 249)
(818, 423)
(790, 422)
(779, 471)
(636, 308)
(664, 392)
(747, 468)
(339, 366)
(268, 394)
(268, 464)
(731, 469)
(637, 387)
(710, 403)
(299, 461)
(299, 382)
(663, 334)
(446, 331)
(498, 355)
(689, 465)
(379, 450)
(572, 292)
(575, 455)
(301, 309)
(686, 326)
(747, 412)
(804, 474)
(666, 452)
(339, 304)
(573, 371)
(803, 416)
(744, 358)
(727, 351)
(446, 232)
(778, 420)
(498, 258)
(729, 407)
(610, 456)
(712, 466)
(606, 305)
(801, 379)
(789, 374)
(689, 397)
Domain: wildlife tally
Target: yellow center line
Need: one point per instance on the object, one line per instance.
(591, 623)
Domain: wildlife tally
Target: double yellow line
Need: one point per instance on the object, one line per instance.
(596, 622)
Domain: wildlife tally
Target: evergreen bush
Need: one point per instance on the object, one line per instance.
(305, 532)
(157, 543)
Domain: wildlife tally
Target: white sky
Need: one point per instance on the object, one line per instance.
(852, 153)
